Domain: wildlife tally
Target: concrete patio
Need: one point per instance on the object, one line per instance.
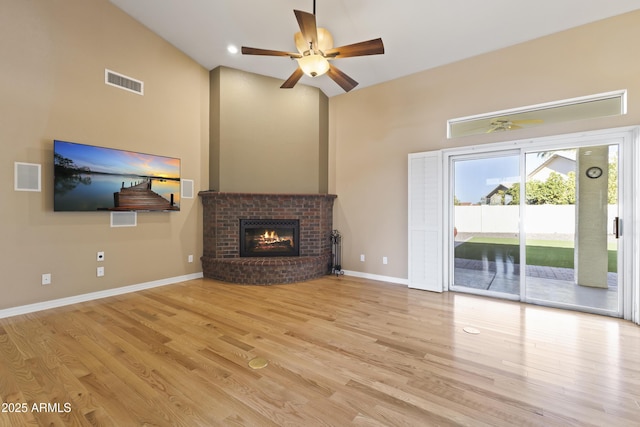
(543, 284)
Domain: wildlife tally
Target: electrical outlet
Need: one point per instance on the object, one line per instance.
(385, 260)
(46, 279)
(362, 257)
(100, 256)
(190, 258)
(100, 271)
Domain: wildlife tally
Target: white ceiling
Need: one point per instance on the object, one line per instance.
(417, 34)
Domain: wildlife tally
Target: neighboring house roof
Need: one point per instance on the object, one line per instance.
(500, 187)
(561, 162)
(493, 197)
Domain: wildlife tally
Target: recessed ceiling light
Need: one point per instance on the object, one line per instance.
(232, 49)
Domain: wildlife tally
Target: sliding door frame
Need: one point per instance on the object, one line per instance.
(629, 206)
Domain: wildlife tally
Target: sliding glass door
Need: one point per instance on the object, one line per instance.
(486, 217)
(571, 218)
(538, 225)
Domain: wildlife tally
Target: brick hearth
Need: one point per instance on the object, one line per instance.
(222, 213)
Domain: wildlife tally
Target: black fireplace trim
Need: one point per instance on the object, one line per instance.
(261, 223)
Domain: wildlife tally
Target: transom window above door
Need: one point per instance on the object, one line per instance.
(586, 107)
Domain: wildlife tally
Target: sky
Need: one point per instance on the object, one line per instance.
(477, 177)
(107, 160)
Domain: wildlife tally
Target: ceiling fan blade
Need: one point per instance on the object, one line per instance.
(344, 81)
(268, 52)
(370, 47)
(293, 79)
(308, 28)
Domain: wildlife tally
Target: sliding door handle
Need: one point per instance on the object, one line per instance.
(616, 227)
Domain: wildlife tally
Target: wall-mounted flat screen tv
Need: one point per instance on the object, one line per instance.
(91, 178)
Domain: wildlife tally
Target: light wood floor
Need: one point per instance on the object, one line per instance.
(341, 351)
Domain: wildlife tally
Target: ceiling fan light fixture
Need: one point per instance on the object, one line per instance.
(325, 41)
(313, 65)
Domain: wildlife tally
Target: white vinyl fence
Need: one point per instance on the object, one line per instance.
(546, 219)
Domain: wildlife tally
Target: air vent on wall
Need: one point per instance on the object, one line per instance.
(27, 176)
(123, 82)
(187, 189)
(124, 219)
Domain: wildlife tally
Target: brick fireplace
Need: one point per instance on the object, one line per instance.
(223, 234)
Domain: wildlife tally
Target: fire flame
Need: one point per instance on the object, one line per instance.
(270, 237)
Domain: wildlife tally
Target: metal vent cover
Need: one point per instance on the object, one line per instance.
(27, 176)
(123, 82)
(124, 219)
(187, 189)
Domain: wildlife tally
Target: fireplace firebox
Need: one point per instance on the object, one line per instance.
(269, 237)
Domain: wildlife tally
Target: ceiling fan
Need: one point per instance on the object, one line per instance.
(499, 125)
(315, 49)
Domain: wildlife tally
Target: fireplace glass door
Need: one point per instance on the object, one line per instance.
(269, 238)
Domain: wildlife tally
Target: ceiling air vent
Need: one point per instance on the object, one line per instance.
(123, 82)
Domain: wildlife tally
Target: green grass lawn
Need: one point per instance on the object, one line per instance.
(550, 253)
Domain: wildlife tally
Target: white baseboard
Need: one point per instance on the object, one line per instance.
(45, 305)
(389, 279)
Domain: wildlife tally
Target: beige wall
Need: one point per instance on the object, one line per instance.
(53, 55)
(372, 130)
(52, 59)
(265, 139)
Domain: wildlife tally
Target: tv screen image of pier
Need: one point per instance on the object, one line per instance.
(93, 178)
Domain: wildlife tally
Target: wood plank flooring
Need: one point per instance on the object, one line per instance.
(342, 351)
